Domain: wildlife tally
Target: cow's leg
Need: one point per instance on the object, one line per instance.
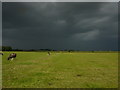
(8, 58)
(11, 59)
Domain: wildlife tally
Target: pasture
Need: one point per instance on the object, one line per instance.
(60, 70)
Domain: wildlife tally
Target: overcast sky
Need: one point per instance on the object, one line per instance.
(60, 25)
(0, 24)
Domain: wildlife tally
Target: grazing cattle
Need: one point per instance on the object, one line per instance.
(48, 53)
(1, 53)
(12, 56)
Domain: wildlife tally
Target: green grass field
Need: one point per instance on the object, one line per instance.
(60, 70)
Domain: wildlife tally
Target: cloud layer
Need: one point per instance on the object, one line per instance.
(63, 25)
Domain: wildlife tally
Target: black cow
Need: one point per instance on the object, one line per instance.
(12, 56)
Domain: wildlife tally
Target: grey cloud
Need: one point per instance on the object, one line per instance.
(91, 35)
(60, 25)
(0, 24)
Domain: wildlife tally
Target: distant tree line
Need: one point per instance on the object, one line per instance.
(9, 48)
(6, 48)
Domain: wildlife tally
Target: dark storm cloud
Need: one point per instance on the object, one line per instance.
(82, 26)
(0, 24)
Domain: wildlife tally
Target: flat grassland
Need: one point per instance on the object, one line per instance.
(60, 70)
